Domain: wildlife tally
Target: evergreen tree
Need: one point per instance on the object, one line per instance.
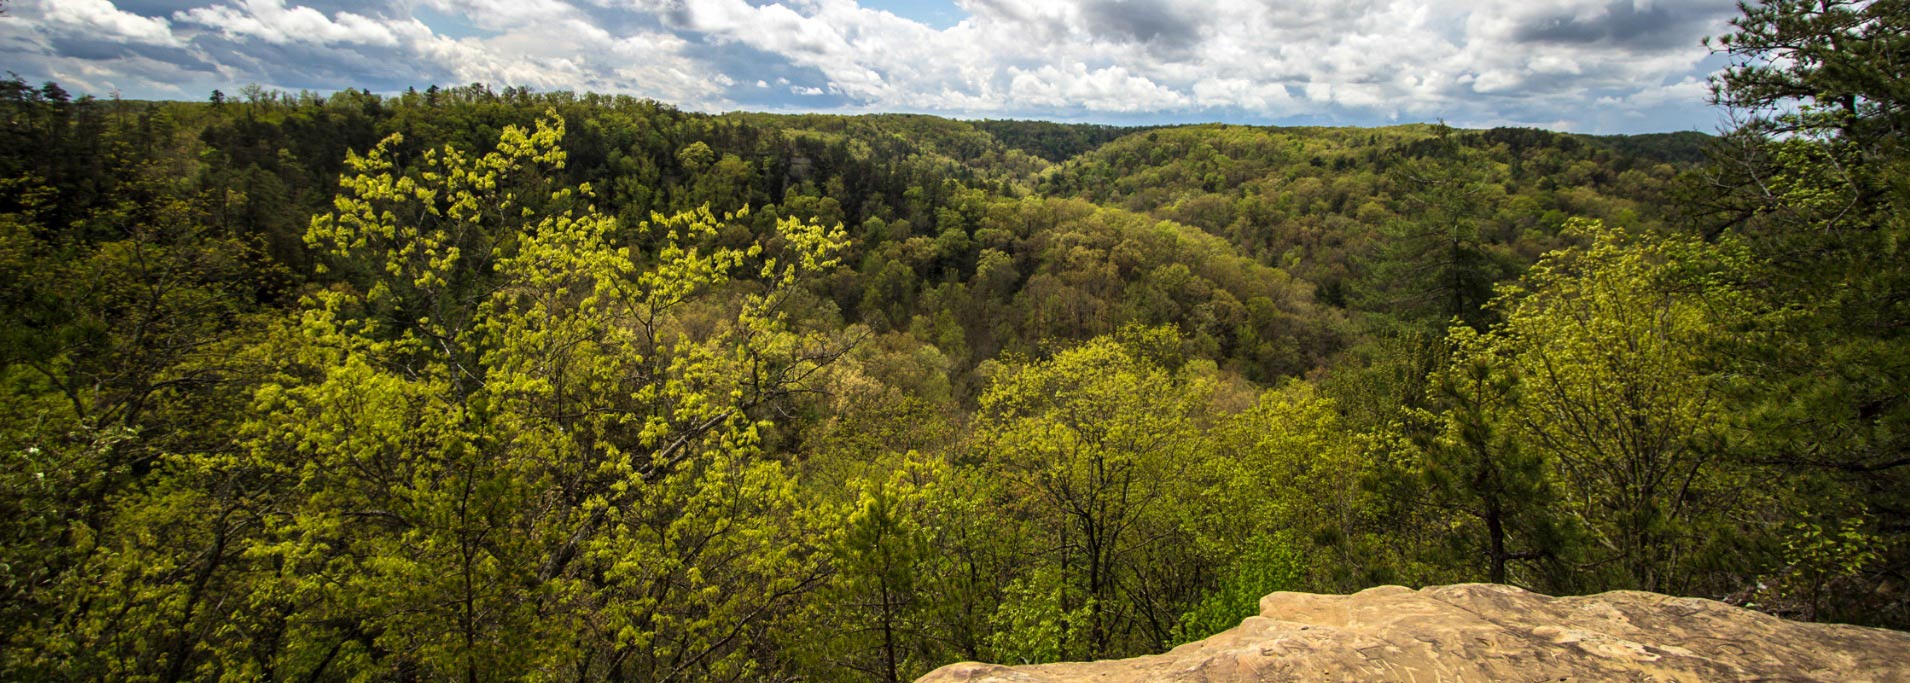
(1814, 182)
(1435, 262)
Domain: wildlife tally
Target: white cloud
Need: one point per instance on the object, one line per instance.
(273, 22)
(1353, 60)
(1247, 94)
(1380, 57)
(1110, 89)
(499, 15)
(106, 21)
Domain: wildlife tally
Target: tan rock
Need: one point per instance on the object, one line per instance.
(1484, 632)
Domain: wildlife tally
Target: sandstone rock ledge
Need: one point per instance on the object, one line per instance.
(1484, 632)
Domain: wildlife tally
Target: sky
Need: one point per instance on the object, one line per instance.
(1593, 66)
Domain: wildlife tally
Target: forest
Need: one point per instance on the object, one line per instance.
(491, 384)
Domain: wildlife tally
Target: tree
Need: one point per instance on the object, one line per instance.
(1288, 471)
(1599, 367)
(1265, 564)
(1476, 464)
(875, 606)
(120, 334)
(1436, 261)
(1812, 182)
(1843, 59)
(514, 446)
(1093, 444)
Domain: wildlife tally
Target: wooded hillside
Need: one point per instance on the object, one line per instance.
(480, 384)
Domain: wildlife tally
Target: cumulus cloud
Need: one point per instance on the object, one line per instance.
(1111, 88)
(1152, 22)
(107, 22)
(273, 22)
(1649, 25)
(1637, 62)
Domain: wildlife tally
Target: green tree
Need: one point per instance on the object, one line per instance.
(514, 447)
(1289, 467)
(119, 335)
(1476, 465)
(876, 601)
(1094, 444)
(1436, 261)
(1813, 182)
(1266, 564)
(1599, 367)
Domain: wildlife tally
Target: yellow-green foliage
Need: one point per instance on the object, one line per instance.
(1605, 346)
(553, 473)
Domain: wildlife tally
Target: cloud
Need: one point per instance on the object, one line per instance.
(273, 22)
(1654, 25)
(1315, 61)
(106, 22)
(1141, 21)
(1109, 89)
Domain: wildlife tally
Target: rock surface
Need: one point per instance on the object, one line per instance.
(1484, 632)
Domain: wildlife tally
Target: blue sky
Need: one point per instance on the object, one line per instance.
(936, 14)
(1599, 66)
